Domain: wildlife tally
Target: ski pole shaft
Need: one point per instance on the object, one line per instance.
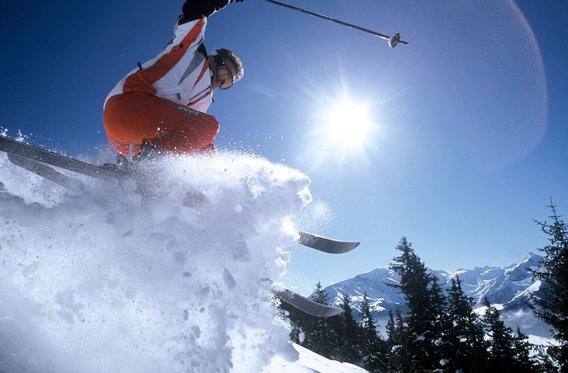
(393, 40)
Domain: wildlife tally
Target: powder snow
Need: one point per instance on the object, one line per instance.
(165, 274)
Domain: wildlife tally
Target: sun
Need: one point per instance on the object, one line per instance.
(349, 124)
(344, 131)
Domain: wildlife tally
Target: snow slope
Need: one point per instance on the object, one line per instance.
(109, 280)
(310, 362)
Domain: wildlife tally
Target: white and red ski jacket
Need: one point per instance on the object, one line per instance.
(179, 73)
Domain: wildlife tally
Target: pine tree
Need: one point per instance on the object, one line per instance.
(320, 336)
(425, 302)
(501, 346)
(439, 326)
(398, 355)
(466, 348)
(390, 328)
(552, 307)
(373, 348)
(522, 357)
(349, 333)
(320, 296)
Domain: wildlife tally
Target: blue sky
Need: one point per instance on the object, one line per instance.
(469, 120)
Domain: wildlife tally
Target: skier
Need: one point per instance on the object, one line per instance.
(160, 106)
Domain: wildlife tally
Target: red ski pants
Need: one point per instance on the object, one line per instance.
(130, 118)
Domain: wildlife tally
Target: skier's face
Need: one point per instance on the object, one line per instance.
(222, 76)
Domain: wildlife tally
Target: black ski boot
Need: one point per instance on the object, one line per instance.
(148, 151)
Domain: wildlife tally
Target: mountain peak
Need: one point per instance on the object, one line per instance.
(510, 286)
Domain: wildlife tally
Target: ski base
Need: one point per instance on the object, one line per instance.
(302, 303)
(51, 158)
(325, 244)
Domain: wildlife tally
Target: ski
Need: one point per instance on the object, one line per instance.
(54, 159)
(44, 171)
(302, 303)
(325, 244)
(38, 161)
(306, 305)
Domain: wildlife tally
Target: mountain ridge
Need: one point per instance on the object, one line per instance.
(508, 288)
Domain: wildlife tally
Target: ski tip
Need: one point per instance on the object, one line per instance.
(343, 247)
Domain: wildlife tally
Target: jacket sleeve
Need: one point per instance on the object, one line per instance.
(196, 9)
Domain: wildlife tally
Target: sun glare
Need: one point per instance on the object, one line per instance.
(349, 124)
(344, 130)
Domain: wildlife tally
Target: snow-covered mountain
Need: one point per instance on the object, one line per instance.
(508, 288)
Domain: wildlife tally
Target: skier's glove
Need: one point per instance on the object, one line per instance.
(237, 1)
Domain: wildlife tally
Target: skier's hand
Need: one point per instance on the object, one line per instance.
(237, 1)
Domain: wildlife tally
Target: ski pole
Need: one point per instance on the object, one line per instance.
(393, 40)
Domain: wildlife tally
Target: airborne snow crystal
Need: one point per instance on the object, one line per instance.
(108, 280)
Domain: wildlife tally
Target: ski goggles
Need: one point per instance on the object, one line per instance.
(224, 75)
(229, 69)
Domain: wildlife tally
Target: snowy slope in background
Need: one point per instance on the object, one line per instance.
(103, 281)
(509, 287)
